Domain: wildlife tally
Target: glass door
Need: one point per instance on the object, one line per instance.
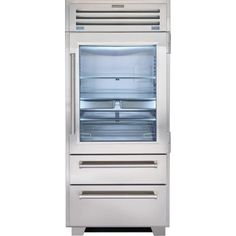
(118, 93)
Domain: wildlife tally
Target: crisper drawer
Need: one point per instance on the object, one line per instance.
(118, 206)
(118, 169)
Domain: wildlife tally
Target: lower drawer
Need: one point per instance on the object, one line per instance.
(118, 169)
(118, 206)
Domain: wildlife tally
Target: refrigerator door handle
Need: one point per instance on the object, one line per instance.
(73, 108)
(169, 43)
(117, 195)
(118, 164)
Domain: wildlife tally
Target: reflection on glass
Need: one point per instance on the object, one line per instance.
(117, 93)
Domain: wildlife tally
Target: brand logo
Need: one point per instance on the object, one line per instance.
(155, 27)
(79, 27)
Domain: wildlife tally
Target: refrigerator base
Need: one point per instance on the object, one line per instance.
(161, 231)
(157, 231)
(78, 231)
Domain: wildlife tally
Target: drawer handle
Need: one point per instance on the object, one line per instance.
(118, 195)
(118, 164)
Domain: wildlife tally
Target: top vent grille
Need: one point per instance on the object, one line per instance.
(118, 17)
(104, 17)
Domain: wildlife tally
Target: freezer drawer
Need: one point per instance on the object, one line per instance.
(118, 206)
(118, 169)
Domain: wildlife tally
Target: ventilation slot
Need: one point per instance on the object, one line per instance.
(117, 18)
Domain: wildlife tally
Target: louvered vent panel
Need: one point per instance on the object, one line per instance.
(118, 18)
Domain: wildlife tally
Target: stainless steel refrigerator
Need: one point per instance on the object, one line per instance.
(117, 114)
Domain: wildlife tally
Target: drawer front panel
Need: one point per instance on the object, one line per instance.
(118, 169)
(118, 206)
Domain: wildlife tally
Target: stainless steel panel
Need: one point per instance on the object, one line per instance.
(118, 206)
(98, 14)
(163, 146)
(115, 169)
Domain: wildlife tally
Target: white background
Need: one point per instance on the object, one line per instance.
(32, 120)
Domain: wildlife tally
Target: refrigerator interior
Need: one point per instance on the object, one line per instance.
(117, 93)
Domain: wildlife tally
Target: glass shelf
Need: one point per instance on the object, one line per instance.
(118, 77)
(93, 96)
(118, 104)
(116, 110)
(145, 115)
(117, 120)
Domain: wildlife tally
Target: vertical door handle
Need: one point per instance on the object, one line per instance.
(169, 44)
(72, 83)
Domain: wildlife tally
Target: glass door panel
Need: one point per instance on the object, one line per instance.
(117, 93)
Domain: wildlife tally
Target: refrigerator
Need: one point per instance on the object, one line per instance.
(117, 115)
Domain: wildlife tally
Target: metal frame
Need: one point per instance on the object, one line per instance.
(161, 41)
